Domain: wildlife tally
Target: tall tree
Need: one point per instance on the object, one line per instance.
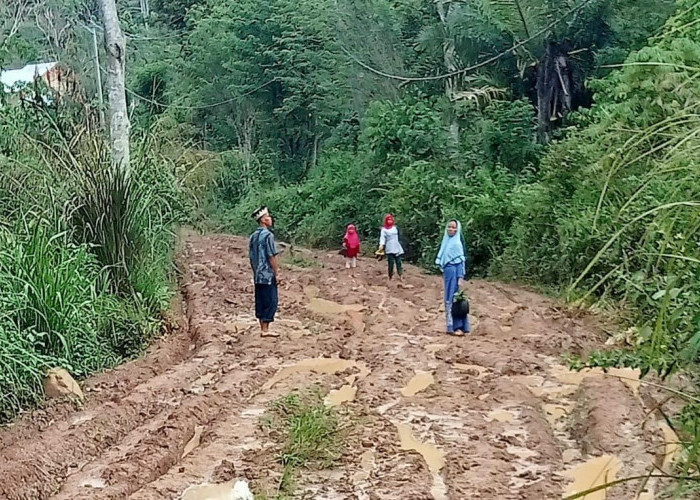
(277, 59)
(12, 15)
(115, 47)
(452, 64)
(558, 43)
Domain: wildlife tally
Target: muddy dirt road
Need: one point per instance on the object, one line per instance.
(493, 415)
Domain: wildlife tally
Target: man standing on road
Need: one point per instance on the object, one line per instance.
(265, 264)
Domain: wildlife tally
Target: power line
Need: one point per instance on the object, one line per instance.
(166, 36)
(408, 79)
(132, 36)
(203, 106)
(177, 106)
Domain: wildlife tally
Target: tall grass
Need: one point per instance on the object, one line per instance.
(85, 252)
(49, 285)
(112, 217)
(52, 312)
(22, 369)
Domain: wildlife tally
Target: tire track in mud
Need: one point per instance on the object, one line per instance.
(496, 416)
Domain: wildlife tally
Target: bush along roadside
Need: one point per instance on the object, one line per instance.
(86, 257)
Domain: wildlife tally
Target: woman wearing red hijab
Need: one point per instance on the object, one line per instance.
(389, 244)
(351, 244)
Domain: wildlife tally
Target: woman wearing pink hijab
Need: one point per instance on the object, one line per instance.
(351, 244)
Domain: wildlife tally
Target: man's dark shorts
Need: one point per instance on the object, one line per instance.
(266, 300)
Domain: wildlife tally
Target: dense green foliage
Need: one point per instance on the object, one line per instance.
(403, 166)
(323, 141)
(616, 211)
(85, 251)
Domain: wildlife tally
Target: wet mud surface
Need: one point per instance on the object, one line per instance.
(492, 415)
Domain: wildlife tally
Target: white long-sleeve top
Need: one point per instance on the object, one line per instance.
(389, 239)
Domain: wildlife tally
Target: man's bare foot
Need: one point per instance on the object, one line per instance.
(268, 333)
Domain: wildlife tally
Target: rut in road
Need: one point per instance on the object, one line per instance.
(493, 415)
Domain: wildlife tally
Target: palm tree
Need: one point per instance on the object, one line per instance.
(559, 37)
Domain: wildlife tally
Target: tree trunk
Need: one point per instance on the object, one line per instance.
(145, 11)
(451, 61)
(98, 79)
(115, 47)
(314, 153)
(244, 123)
(554, 89)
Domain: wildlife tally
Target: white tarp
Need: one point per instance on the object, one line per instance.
(14, 78)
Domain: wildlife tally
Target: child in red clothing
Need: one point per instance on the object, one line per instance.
(351, 244)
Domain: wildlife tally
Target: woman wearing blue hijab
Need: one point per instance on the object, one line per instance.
(452, 260)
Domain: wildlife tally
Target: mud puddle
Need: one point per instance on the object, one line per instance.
(628, 376)
(500, 415)
(420, 382)
(672, 446)
(591, 474)
(329, 308)
(337, 397)
(367, 464)
(433, 456)
(323, 366)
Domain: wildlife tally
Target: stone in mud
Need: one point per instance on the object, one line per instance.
(59, 383)
(225, 471)
(223, 491)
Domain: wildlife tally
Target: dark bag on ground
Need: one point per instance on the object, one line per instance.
(460, 308)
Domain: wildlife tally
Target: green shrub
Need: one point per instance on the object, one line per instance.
(615, 216)
(85, 253)
(112, 217)
(50, 287)
(398, 131)
(506, 133)
(22, 370)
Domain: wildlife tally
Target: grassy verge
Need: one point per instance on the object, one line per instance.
(86, 252)
(312, 435)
